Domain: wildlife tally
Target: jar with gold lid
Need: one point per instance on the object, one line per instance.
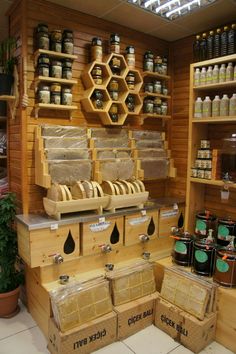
(97, 75)
(56, 41)
(157, 106)
(96, 49)
(55, 97)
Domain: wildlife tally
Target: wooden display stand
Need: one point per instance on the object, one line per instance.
(201, 129)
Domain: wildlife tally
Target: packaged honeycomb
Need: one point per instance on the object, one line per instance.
(77, 303)
(62, 131)
(149, 144)
(117, 169)
(114, 133)
(150, 153)
(68, 172)
(155, 168)
(146, 135)
(67, 154)
(65, 143)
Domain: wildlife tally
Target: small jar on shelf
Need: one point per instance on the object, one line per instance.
(148, 105)
(96, 49)
(113, 112)
(149, 87)
(56, 41)
(55, 97)
(67, 69)
(97, 99)
(158, 64)
(164, 108)
(42, 36)
(115, 65)
(115, 43)
(43, 93)
(130, 103)
(66, 96)
(148, 63)
(157, 87)
(68, 42)
(157, 105)
(56, 69)
(130, 57)
(130, 80)
(43, 69)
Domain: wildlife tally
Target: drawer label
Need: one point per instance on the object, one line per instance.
(100, 226)
(169, 213)
(138, 221)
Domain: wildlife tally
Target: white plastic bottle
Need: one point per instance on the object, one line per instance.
(206, 107)
(216, 106)
(215, 76)
(232, 105)
(203, 76)
(224, 106)
(209, 75)
(222, 73)
(229, 72)
(197, 74)
(198, 108)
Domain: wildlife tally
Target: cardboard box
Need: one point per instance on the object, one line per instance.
(83, 339)
(183, 327)
(135, 315)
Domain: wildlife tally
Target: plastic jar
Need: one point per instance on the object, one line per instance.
(197, 74)
(216, 106)
(224, 106)
(232, 105)
(56, 41)
(215, 74)
(96, 49)
(66, 96)
(56, 69)
(44, 94)
(229, 76)
(206, 107)
(198, 108)
(222, 73)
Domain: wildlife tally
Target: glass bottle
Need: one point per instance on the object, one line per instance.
(216, 106)
(222, 73)
(224, 41)
(216, 46)
(232, 39)
(210, 40)
(203, 47)
(196, 48)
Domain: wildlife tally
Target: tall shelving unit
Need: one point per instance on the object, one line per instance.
(210, 128)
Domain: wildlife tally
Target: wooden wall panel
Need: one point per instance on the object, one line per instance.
(85, 27)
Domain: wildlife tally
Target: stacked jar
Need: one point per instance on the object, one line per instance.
(155, 106)
(203, 164)
(54, 94)
(224, 72)
(156, 64)
(218, 107)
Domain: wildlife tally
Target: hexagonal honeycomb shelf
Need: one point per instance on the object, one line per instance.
(88, 103)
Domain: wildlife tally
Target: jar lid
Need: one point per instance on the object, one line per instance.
(115, 37)
(56, 63)
(66, 89)
(42, 27)
(130, 74)
(130, 49)
(96, 41)
(55, 86)
(44, 87)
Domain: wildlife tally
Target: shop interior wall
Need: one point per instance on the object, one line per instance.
(85, 27)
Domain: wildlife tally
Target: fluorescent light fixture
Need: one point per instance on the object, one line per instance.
(171, 9)
(188, 6)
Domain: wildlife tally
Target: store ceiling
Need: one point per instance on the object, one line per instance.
(123, 13)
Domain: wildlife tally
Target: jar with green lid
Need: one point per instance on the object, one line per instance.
(43, 59)
(43, 93)
(157, 106)
(66, 96)
(68, 42)
(115, 65)
(157, 86)
(148, 105)
(130, 103)
(66, 73)
(130, 80)
(56, 69)
(130, 57)
(148, 87)
(164, 108)
(97, 99)
(56, 39)
(113, 112)
(43, 40)
(158, 64)
(115, 43)
(55, 93)
(43, 70)
(96, 49)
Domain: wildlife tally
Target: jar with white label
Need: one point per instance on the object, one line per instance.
(198, 108)
(224, 106)
(232, 105)
(216, 106)
(206, 107)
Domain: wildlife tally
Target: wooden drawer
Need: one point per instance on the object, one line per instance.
(38, 247)
(169, 217)
(109, 231)
(141, 223)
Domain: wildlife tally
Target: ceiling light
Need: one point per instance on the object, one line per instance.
(171, 9)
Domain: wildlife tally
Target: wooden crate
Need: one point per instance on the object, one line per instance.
(102, 231)
(83, 339)
(168, 217)
(141, 223)
(135, 315)
(38, 247)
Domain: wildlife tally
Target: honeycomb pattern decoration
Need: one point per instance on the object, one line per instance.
(124, 91)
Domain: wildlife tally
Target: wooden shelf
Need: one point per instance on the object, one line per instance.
(53, 54)
(212, 182)
(219, 85)
(157, 116)
(54, 106)
(220, 60)
(7, 98)
(146, 94)
(155, 75)
(215, 120)
(53, 79)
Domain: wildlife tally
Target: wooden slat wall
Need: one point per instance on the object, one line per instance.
(85, 27)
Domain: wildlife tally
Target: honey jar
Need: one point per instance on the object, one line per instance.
(96, 49)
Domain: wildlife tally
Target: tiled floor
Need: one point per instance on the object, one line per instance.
(20, 335)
